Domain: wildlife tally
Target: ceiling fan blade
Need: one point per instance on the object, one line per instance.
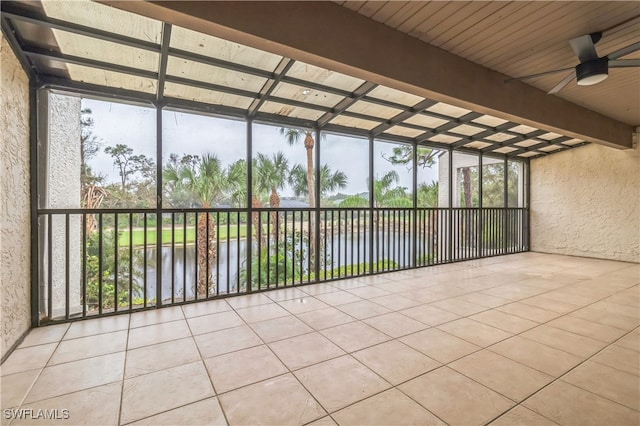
(541, 74)
(624, 63)
(558, 87)
(624, 51)
(584, 48)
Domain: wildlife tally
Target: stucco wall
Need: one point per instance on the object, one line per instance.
(63, 192)
(14, 199)
(586, 202)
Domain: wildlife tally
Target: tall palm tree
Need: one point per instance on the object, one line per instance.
(270, 174)
(205, 181)
(292, 136)
(330, 181)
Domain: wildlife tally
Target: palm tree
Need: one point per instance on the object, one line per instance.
(292, 136)
(204, 180)
(270, 174)
(428, 194)
(330, 181)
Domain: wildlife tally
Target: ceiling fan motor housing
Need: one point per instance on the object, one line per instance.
(592, 72)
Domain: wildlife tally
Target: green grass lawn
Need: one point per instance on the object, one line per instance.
(138, 235)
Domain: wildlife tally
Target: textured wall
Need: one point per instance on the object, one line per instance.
(63, 192)
(14, 199)
(586, 202)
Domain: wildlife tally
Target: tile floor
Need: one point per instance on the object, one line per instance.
(522, 339)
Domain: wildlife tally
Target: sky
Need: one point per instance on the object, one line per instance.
(187, 133)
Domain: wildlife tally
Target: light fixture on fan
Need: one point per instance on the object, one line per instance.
(592, 72)
(592, 69)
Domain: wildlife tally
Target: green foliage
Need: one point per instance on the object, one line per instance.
(428, 194)
(330, 180)
(403, 154)
(107, 270)
(351, 270)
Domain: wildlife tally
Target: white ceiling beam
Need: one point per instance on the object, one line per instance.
(330, 36)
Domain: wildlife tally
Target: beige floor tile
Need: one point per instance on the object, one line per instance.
(351, 283)
(248, 300)
(14, 387)
(395, 325)
(338, 298)
(475, 332)
(325, 318)
(459, 307)
(621, 358)
(564, 340)
(514, 292)
(390, 407)
(566, 404)
(214, 322)
(158, 333)
(153, 393)
(95, 406)
(303, 304)
(473, 403)
(375, 279)
(363, 309)
(509, 378)
(520, 416)
(278, 401)
(205, 308)
(227, 340)
(302, 351)
(161, 356)
(97, 326)
(429, 315)
(441, 346)
(395, 361)
(77, 375)
(504, 321)
(536, 355)
(610, 383)
(483, 300)
(156, 316)
(29, 358)
(324, 421)
(315, 289)
(43, 335)
(586, 328)
(550, 304)
(205, 412)
(286, 294)
(357, 382)
(237, 369)
(354, 336)
(368, 292)
(422, 295)
(570, 297)
(529, 312)
(85, 347)
(280, 328)
(604, 315)
(630, 341)
(261, 312)
(395, 302)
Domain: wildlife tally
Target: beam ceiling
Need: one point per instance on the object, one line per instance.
(330, 36)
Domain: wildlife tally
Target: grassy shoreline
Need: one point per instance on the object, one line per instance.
(137, 235)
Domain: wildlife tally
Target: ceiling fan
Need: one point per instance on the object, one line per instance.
(592, 69)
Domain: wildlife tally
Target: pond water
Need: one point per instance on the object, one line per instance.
(180, 262)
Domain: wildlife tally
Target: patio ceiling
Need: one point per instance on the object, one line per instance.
(96, 49)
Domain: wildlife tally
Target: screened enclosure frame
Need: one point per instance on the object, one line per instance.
(364, 110)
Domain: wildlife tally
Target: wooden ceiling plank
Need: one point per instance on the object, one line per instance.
(455, 27)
